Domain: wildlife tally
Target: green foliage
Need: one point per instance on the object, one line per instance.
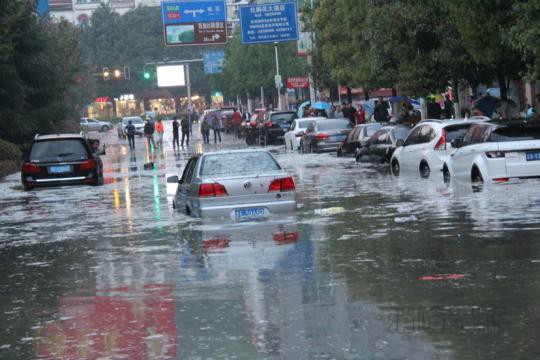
(41, 66)
(9, 151)
(421, 46)
(525, 35)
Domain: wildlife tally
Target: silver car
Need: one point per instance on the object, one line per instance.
(137, 121)
(88, 124)
(244, 185)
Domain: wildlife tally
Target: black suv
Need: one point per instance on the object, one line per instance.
(276, 124)
(61, 159)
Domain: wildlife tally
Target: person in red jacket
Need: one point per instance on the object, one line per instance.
(360, 115)
(236, 120)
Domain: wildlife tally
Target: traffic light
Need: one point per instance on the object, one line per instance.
(106, 74)
(146, 74)
(127, 75)
(117, 74)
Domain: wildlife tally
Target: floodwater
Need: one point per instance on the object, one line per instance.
(369, 267)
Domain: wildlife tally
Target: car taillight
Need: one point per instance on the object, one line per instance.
(212, 190)
(253, 123)
(88, 165)
(321, 136)
(284, 184)
(495, 154)
(501, 179)
(269, 124)
(441, 144)
(285, 237)
(29, 168)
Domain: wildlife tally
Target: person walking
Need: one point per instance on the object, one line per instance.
(236, 120)
(380, 113)
(130, 130)
(160, 130)
(205, 131)
(448, 108)
(216, 126)
(175, 128)
(185, 130)
(338, 114)
(433, 109)
(149, 133)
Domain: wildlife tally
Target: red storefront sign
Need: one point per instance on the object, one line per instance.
(104, 99)
(298, 82)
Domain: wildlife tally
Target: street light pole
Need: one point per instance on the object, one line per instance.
(278, 77)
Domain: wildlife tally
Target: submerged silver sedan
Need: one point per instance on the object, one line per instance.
(244, 185)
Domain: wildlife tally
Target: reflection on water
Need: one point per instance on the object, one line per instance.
(371, 267)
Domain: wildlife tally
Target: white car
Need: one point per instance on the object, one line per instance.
(296, 131)
(88, 124)
(137, 121)
(495, 152)
(428, 146)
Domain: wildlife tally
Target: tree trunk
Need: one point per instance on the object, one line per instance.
(349, 95)
(504, 93)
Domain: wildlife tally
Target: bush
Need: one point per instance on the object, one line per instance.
(9, 151)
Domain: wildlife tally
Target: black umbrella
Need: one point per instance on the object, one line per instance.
(487, 105)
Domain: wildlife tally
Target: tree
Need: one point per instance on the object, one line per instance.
(525, 35)
(42, 66)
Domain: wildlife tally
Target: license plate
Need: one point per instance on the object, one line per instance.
(339, 137)
(249, 214)
(59, 169)
(285, 126)
(532, 156)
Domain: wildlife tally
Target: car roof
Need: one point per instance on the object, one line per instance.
(39, 137)
(237, 151)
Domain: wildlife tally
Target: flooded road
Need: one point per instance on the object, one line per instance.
(369, 267)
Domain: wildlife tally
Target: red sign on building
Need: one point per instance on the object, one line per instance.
(298, 82)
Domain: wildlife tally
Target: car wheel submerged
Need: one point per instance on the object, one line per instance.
(424, 170)
(394, 167)
(476, 176)
(104, 128)
(446, 174)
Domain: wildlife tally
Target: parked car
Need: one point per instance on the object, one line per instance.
(137, 121)
(88, 124)
(240, 184)
(296, 131)
(380, 147)
(324, 135)
(495, 152)
(428, 146)
(61, 159)
(276, 124)
(357, 138)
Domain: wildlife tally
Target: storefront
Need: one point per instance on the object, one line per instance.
(165, 106)
(128, 105)
(101, 108)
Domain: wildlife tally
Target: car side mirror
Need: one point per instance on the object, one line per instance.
(400, 143)
(172, 179)
(300, 133)
(457, 143)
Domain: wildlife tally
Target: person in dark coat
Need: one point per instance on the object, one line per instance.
(448, 108)
(130, 130)
(185, 131)
(433, 109)
(175, 128)
(149, 133)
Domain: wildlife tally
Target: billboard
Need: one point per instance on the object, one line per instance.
(194, 22)
(268, 23)
(170, 75)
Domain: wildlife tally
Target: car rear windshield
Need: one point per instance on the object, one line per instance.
(333, 124)
(242, 163)
(305, 123)
(133, 120)
(372, 129)
(58, 151)
(518, 133)
(401, 132)
(279, 118)
(456, 132)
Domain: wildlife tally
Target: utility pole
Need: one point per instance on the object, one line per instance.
(312, 97)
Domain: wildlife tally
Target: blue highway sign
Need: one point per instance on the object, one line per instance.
(268, 23)
(213, 62)
(188, 12)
